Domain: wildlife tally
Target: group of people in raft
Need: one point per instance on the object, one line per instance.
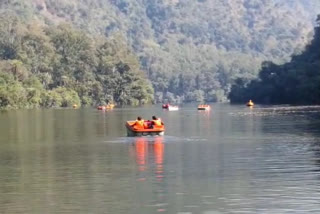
(153, 124)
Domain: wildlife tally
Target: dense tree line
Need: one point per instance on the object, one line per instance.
(59, 66)
(190, 50)
(295, 82)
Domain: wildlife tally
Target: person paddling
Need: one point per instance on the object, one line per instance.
(156, 122)
(139, 124)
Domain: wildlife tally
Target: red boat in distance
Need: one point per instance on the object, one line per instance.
(165, 106)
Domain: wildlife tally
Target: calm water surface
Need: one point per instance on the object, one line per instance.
(230, 160)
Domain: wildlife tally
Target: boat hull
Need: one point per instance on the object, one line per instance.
(204, 107)
(131, 133)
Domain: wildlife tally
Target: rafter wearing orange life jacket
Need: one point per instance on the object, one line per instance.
(157, 123)
(139, 124)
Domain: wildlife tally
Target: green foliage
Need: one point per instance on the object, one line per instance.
(189, 50)
(295, 82)
(34, 90)
(59, 66)
(12, 93)
(36, 50)
(68, 97)
(9, 36)
(51, 99)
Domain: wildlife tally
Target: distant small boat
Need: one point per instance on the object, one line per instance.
(204, 107)
(173, 108)
(109, 106)
(250, 103)
(165, 106)
(101, 108)
(131, 131)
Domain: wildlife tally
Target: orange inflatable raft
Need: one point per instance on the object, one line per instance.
(131, 131)
(109, 106)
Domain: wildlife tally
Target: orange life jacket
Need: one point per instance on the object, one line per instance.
(157, 123)
(139, 124)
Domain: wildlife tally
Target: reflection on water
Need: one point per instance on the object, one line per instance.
(278, 110)
(231, 159)
(146, 147)
(149, 155)
(141, 149)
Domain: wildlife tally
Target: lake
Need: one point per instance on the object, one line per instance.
(233, 159)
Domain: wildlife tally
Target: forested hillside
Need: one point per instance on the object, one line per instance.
(191, 50)
(295, 82)
(59, 66)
